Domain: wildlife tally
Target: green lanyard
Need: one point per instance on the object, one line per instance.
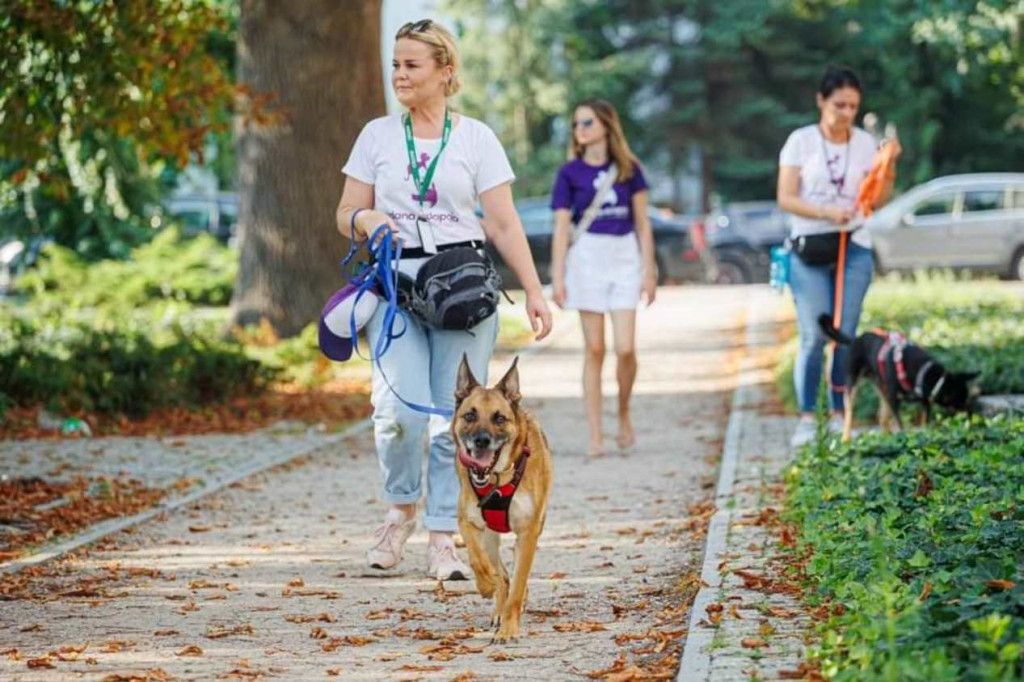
(423, 185)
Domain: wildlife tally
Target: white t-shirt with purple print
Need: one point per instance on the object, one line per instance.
(472, 163)
(574, 189)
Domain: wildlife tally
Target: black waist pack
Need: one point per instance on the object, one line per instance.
(455, 290)
(818, 249)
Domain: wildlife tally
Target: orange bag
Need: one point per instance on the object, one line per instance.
(870, 192)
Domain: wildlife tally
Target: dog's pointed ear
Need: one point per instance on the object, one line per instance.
(509, 384)
(466, 382)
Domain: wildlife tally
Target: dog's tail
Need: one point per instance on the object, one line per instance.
(829, 329)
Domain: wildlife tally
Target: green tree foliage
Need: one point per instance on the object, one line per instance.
(729, 80)
(95, 99)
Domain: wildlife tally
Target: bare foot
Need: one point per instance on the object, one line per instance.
(595, 449)
(626, 438)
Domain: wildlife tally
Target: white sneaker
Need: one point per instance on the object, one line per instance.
(804, 433)
(390, 539)
(444, 564)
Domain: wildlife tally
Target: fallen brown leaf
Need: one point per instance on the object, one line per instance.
(310, 617)
(190, 650)
(925, 592)
(617, 665)
(220, 633)
(752, 643)
(151, 675)
(36, 663)
(585, 626)
(115, 645)
(1001, 584)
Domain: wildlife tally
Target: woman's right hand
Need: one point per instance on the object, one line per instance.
(369, 220)
(837, 215)
(558, 292)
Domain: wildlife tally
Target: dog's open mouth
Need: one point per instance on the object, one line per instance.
(479, 464)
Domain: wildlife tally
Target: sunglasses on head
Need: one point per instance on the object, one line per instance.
(585, 123)
(415, 27)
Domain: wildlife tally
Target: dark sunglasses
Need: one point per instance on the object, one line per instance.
(586, 123)
(415, 27)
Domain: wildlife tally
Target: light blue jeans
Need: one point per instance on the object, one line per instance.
(814, 288)
(422, 365)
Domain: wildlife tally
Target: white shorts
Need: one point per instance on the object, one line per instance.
(602, 273)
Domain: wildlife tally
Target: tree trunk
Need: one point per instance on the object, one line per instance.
(320, 59)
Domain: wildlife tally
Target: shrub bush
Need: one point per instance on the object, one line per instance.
(120, 370)
(197, 270)
(918, 537)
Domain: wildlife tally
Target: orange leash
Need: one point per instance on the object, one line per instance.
(868, 196)
(837, 304)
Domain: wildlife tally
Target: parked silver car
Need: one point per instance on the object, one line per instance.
(971, 221)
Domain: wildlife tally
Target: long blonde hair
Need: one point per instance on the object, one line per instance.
(442, 45)
(618, 148)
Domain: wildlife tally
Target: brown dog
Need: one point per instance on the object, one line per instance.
(504, 467)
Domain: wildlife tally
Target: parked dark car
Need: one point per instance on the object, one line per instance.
(677, 260)
(741, 236)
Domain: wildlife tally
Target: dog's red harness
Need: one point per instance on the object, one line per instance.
(495, 501)
(894, 345)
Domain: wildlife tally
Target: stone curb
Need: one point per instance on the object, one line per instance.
(695, 665)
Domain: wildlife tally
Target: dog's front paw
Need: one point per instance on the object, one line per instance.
(508, 631)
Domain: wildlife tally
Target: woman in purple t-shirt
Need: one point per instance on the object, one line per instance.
(608, 266)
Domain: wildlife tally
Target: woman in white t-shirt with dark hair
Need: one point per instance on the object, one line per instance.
(821, 168)
(430, 206)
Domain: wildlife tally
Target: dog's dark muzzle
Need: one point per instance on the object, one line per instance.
(482, 452)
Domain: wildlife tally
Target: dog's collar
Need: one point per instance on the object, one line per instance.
(938, 386)
(919, 381)
(494, 500)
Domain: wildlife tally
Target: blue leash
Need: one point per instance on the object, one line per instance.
(386, 252)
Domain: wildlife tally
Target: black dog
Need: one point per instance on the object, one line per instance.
(900, 371)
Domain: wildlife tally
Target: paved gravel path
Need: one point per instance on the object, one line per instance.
(266, 577)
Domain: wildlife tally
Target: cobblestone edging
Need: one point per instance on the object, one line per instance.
(737, 633)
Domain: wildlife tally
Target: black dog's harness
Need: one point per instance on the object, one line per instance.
(494, 501)
(891, 353)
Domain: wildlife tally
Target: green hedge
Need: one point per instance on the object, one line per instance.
(919, 536)
(120, 370)
(197, 270)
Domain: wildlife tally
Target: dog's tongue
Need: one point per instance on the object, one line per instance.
(480, 462)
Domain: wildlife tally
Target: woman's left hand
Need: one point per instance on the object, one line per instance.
(539, 315)
(650, 284)
(898, 149)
